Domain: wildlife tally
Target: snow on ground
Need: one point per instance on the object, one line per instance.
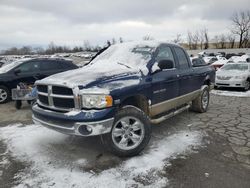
(231, 93)
(34, 145)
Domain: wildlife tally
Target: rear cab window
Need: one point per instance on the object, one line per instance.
(182, 58)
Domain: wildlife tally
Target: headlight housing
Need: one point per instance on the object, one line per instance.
(92, 101)
(240, 77)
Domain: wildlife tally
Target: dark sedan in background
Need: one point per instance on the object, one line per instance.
(28, 71)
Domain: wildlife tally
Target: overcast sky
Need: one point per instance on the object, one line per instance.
(70, 22)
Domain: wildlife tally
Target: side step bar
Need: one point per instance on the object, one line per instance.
(171, 114)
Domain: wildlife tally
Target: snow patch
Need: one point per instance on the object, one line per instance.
(34, 144)
(231, 93)
(72, 113)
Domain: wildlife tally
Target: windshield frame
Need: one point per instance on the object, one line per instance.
(10, 66)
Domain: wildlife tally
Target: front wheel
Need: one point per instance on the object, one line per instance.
(4, 94)
(200, 104)
(130, 134)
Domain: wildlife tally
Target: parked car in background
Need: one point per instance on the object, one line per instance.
(28, 71)
(234, 75)
(243, 58)
(121, 92)
(218, 64)
(210, 59)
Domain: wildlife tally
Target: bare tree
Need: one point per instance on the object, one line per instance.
(147, 37)
(216, 41)
(231, 40)
(190, 39)
(222, 41)
(241, 26)
(86, 45)
(177, 39)
(193, 39)
(121, 40)
(113, 41)
(246, 40)
(204, 34)
(196, 39)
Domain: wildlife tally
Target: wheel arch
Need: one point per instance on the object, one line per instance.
(139, 101)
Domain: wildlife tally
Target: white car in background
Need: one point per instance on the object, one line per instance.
(233, 75)
(210, 59)
(218, 64)
(242, 58)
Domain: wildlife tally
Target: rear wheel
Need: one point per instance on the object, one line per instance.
(200, 104)
(130, 134)
(4, 94)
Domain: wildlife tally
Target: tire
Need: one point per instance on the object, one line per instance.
(200, 104)
(133, 141)
(246, 88)
(4, 95)
(18, 104)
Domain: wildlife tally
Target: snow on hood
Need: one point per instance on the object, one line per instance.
(120, 59)
(222, 72)
(231, 93)
(220, 62)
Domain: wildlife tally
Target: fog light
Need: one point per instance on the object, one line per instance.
(84, 130)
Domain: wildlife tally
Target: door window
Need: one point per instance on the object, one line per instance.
(164, 53)
(31, 66)
(50, 65)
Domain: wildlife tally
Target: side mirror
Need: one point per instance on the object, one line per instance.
(17, 71)
(248, 60)
(166, 64)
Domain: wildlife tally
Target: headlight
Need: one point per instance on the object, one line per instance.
(240, 77)
(96, 101)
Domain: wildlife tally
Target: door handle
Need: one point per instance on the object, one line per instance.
(177, 75)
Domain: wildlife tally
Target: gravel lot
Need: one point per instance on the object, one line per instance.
(188, 150)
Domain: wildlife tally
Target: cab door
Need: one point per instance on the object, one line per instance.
(187, 83)
(165, 83)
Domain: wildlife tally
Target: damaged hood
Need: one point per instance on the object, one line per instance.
(84, 78)
(119, 66)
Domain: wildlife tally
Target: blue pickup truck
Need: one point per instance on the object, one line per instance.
(122, 93)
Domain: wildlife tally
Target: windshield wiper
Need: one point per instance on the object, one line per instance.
(124, 65)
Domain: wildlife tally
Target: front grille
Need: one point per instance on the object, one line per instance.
(224, 77)
(56, 97)
(43, 99)
(63, 103)
(61, 90)
(42, 88)
(222, 84)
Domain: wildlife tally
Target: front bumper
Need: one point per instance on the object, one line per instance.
(230, 83)
(82, 123)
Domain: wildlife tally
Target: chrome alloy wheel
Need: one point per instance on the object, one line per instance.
(128, 133)
(205, 99)
(3, 95)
